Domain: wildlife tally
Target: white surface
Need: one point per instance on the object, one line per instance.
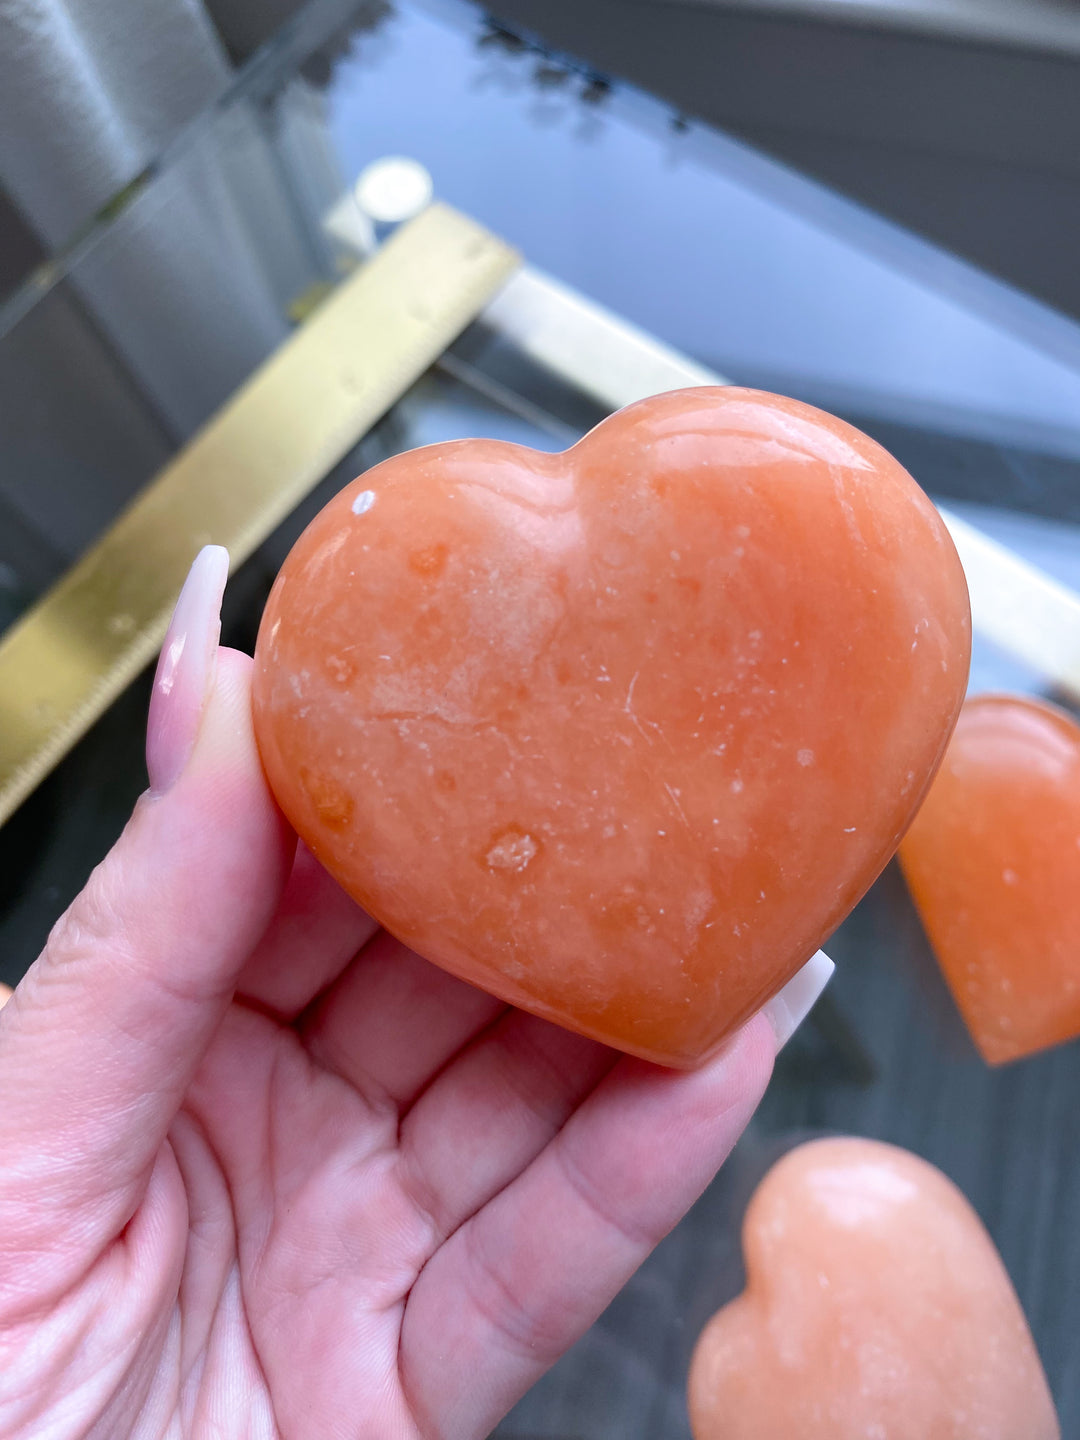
(91, 91)
(208, 254)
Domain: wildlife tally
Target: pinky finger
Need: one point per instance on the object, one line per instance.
(5, 995)
(527, 1275)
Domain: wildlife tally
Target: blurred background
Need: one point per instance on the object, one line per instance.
(959, 118)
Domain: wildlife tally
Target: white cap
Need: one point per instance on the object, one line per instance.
(393, 189)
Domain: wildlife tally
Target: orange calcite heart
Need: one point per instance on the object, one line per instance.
(993, 864)
(620, 734)
(876, 1308)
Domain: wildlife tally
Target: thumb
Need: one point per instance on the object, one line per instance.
(100, 1040)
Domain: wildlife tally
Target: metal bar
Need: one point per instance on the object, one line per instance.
(604, 356)
(1018, 606)
(68, 658)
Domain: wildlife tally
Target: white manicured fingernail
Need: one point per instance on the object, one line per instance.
(185, 673)
(789, 1008)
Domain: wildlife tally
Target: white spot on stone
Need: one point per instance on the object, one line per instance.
(805, 757)
(363, 502)
(736, 787)
(1010, 877)
(512, 852)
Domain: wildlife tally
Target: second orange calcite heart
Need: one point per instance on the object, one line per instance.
(993, 864)
(876, 1308)
(619, 734)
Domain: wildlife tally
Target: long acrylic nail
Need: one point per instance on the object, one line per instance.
(185, 671)
(789, 1007)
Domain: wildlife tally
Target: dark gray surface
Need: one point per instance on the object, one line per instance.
(973, 145)
(79, 437)
(20, 248)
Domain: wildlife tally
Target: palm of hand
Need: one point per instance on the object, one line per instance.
(386, 1218)
(379, 1204)
(359, 1257)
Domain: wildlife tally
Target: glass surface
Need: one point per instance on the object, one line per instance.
(113, 356)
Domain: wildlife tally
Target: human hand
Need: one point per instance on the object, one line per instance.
(266, 1172)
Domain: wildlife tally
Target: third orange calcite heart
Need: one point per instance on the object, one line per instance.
(993, 864)
(876, 1308)
(619, 734)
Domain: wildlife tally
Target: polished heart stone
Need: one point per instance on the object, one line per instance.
(618, 734)
(876, 1308)
(993, 865)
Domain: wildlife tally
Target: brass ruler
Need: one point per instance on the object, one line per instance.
(65, 661)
